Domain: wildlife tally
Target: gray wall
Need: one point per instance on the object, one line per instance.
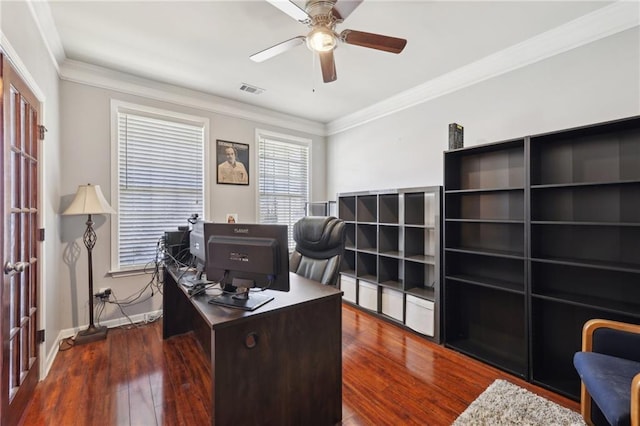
(597, 82)
(85, 158)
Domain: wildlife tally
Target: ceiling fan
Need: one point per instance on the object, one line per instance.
(322, 16)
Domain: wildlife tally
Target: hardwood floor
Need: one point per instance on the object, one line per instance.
(390, 377)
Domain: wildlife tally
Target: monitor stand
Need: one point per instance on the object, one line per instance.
(242, 301)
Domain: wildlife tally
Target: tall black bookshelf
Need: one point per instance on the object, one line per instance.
(541, 234)
(485, 254)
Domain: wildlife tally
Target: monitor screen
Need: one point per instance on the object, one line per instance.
(197, 249)
(246, 258)
(196, 242)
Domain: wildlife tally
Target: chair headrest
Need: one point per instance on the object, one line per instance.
(319, 236)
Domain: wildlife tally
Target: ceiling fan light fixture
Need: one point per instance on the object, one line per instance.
(321, 39)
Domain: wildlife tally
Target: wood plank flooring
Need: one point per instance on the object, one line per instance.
(390, 377)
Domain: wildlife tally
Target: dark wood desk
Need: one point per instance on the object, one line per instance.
(293, 374)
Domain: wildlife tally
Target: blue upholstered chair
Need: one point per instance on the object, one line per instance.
(609, 367)
(319, 248)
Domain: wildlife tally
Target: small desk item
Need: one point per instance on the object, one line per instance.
(280, 364)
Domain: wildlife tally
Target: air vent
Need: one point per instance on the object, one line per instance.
(251, 89)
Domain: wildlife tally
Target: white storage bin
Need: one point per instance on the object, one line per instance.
(348, 287)
(368, 297)
(392, 303)
(420, 315)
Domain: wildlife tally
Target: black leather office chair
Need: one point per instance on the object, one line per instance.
(319, 248)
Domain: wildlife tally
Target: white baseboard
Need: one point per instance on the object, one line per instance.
(45, 366)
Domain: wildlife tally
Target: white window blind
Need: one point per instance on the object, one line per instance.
(283, 182)
(160, 182)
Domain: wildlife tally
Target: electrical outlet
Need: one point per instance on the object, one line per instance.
(151, 317)
(103, 293)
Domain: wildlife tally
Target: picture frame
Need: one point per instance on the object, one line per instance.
(232, 163)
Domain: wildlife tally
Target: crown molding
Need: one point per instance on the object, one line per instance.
(43, 19)
(601, 23)
(104, 78)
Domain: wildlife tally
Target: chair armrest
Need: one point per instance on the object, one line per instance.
(612, 338)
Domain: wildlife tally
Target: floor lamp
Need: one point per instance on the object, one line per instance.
(89, 200)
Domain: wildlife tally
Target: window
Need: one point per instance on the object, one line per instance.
(159, 182)
(283, 182)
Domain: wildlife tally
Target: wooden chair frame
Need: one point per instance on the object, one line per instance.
(587, 344)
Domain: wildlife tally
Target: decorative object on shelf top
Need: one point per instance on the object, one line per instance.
(456, 136)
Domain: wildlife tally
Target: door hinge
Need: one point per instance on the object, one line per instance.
(40, 336)
(42, 130)
(41, 234)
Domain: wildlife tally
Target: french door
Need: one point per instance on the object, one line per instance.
(20, 245)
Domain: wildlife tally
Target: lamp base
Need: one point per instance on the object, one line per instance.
(91, 334)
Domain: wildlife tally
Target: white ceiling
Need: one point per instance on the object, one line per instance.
(205, 46)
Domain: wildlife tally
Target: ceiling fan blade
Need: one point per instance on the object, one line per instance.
(373, 41)
(328, 66)
(291, 9)
(277, 49)
(343, 8)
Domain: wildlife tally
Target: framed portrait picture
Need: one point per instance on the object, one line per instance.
(232, 160)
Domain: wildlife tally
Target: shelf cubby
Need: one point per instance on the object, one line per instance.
(349, 263)
(414, 243)
(492, 166)
(367, 237)
(506, 238)
(418, 275)
(497, 205)
(347, 209)
(614, 291)
(610, 246)
(367, 209)
(487, 324)
(388, 208)
(414, 208)
(607, 154)
(367, 266)
(584, 203)
(388, 240)
(491, 271)
(389, 272)
(350, 235)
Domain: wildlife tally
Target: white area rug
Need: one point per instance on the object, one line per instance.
(504, 403)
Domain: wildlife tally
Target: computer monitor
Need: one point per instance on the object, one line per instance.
(197, 248)
(244, 258)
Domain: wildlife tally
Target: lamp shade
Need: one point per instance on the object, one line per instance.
(89, 200)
